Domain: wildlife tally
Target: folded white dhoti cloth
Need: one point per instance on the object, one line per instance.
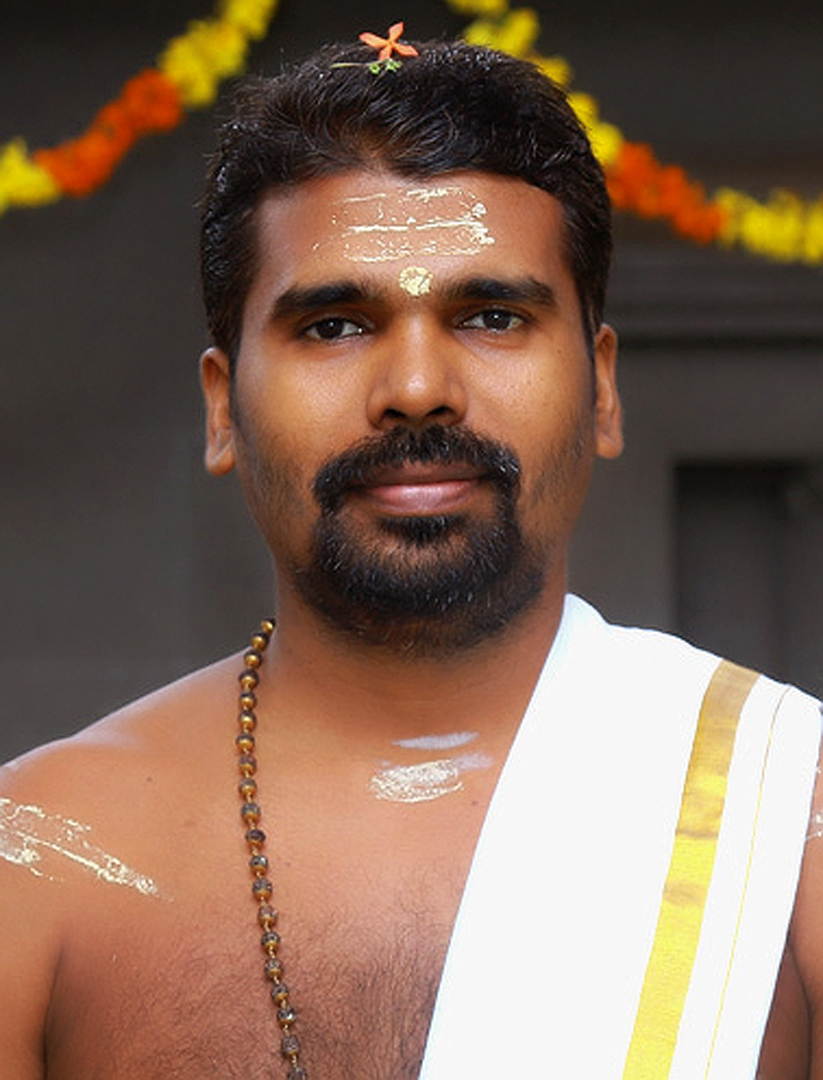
(586, 882)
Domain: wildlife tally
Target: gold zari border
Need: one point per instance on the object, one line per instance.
(690, 870)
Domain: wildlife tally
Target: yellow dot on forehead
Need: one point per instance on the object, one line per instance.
(416, 280)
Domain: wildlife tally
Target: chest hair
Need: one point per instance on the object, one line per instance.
(364, 1003)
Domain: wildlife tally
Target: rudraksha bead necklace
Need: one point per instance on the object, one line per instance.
(262, 887)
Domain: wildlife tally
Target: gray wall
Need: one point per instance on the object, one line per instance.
(125, 566)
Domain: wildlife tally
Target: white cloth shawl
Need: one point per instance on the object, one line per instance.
(548, 955)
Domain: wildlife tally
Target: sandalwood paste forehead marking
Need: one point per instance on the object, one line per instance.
(38, 841)
(426, 780)
(386, 226)
(415, 280)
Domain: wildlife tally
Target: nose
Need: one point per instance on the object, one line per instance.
(418, 379)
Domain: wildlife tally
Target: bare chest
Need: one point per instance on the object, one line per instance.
(186, 996)
(174, 986)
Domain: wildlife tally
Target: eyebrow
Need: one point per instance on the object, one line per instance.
(514, 290)
(301, 301)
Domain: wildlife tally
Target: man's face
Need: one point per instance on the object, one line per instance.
(415, 412)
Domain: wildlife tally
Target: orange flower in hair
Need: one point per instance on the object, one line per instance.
(390, 44)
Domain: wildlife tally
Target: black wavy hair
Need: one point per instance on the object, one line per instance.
(453, 107)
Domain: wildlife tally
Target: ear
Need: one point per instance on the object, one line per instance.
(215, 382)
(608, 410)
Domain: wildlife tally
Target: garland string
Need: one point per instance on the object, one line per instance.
(190, 68)
(784, 227)
(186, 76)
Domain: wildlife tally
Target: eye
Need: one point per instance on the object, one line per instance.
(333, 328)
(494, 319)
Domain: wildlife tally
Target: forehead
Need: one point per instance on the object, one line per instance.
(377, 224)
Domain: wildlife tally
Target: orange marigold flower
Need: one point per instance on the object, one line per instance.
(390, 44)
(148, 102)
(81, 165)
(153, 101)
(114, 123)
(638, 181)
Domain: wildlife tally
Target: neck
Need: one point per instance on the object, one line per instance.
(367, 691)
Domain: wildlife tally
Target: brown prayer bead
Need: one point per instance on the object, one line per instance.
(262, 887)
(244, 742)
(270, 940)
(247, 763)
(267, 916)
(248, 721)
(247, 787)
(273, 968)
(290, 1045)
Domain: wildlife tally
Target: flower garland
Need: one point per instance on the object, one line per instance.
(191, 67)
(186, 76)
(784, 227)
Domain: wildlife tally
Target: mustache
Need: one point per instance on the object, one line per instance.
(435, 445)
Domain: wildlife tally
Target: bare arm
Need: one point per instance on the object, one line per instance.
(786, 1050)
(86, 858)
(793, 1046)
(30, 906)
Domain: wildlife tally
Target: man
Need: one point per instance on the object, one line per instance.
(404, 270)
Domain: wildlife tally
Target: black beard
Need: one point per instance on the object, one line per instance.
(430, 585)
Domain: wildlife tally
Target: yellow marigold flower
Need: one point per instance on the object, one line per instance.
(556, 68)
(782, 228)
(585, 107)
(22, 183)
(519, 31)
(784, 221)
(813, 239)
(758, 231)
(606, 140)
(251, 17)
(481, 32)
(515, 34)
(730, 201)
(197, 61)
(489, 9)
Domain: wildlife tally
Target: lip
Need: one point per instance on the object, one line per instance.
(421, 489)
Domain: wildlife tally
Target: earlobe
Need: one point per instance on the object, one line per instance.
(215, 382)
(608, 410)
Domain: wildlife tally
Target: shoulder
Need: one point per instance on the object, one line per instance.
(130, 737)
(647, 671)
(795, 1030)
(635, 645)
(110, 785)
(84, 826)
(807, 930)
(663, 661)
